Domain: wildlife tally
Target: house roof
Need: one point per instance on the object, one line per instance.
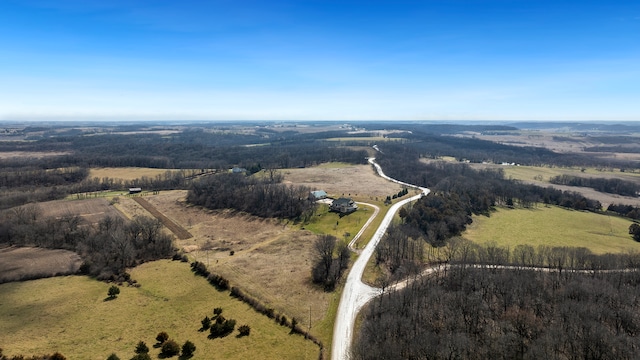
(341, 201)
(319, 193)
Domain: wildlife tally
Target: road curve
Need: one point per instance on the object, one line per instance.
(355, 293)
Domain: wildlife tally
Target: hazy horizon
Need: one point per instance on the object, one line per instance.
(319, 61)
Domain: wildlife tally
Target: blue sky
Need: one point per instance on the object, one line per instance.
(308, 60)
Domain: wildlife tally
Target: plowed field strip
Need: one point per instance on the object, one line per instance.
(178, 230)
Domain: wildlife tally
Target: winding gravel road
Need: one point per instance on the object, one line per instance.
(356, 294)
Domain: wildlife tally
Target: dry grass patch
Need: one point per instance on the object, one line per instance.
(357, 181)
(126, 173)
(69, 314)
(31, 154)
(30, 263)
(91, 210)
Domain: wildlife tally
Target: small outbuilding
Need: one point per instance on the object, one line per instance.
(343, 205)
(135, 190)
(319, 194)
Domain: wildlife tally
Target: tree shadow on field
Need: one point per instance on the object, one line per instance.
(110, 298)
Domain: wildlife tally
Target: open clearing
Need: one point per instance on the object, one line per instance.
(326, 222)
(69, 314)
(357, 181)
(126, 173)
(29, 263)
(553, 226)
(30, 154)
(91, 210)
(271, 261)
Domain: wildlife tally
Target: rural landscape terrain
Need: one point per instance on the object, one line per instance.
(214, 240)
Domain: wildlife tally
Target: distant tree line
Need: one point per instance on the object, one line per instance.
(611, 186)
(28, 180)
(613, 149)
(190, 149)
(26, 176)
(424, 141)
(629, 211)
(260, 196)
(504, 314)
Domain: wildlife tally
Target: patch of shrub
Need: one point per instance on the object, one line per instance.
(170, 348)
(219, 282)
(188, 349)
(162, 337)
(141, 348)
(222, 328)
(200, 268)
(113, 292)
(206, 323)
(244, 330)
(113, 356)
(143, 356)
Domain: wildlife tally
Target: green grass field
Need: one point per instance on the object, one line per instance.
(553, 226)
(529, 173)
(326, 222)
(70, 315)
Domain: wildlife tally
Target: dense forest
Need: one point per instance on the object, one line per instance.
(261, 196)
(189, 149)
(471, 307)
(470, 313)
(424, 141)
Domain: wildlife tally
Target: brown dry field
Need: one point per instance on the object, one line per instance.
(271, 261)
(30, 154)
(126, 173)
(91, 210)
(549, 140)
(357, 181)
(27, 263)
(540, 139)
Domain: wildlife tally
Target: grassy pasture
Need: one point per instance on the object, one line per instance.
(326, 222)
(529, 173)
(553, 226)
(70, 315)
